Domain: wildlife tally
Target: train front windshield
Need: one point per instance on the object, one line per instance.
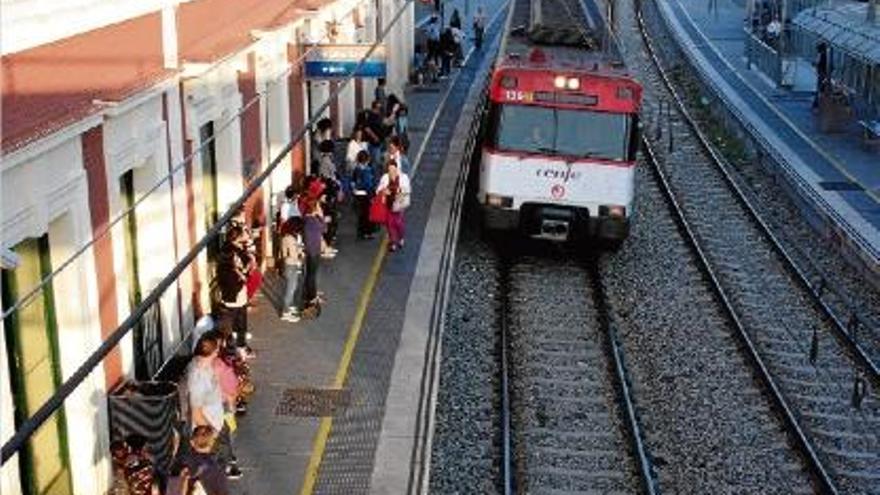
(555, 131)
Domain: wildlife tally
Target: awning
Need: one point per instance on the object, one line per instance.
(844, 27)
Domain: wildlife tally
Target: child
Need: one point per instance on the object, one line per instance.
(364, 184)
(201, 465)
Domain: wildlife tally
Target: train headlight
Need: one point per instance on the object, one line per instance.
(616, 211)
(499, 201)
(562, 82)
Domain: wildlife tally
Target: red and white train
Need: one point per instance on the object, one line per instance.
(558, 160)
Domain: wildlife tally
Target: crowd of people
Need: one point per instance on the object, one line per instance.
(370, 172)
(444, 46)
(370, 179)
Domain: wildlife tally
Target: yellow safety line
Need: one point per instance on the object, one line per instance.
(323, 434)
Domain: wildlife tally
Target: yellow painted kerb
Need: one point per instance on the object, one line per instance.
(354, 332)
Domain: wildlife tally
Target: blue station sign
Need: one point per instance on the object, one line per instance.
(337, 61)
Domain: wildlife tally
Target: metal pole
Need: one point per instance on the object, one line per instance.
(780, 54)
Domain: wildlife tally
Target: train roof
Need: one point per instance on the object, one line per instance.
(569, 34)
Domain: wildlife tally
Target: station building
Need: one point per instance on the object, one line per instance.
(101, 100)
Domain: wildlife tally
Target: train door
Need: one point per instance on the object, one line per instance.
(35, 372)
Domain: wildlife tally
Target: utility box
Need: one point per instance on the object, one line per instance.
(149, 409)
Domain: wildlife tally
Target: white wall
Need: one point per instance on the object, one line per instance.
(272, 81)
(134, 139)
(174, 130)
(57, 203)
(9, 480)
(30, 23)
(79, 335)
(211, 94)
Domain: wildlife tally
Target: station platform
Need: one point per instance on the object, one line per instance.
(339, 399)
(836, 178)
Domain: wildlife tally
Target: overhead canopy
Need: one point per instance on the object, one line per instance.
(844, 27)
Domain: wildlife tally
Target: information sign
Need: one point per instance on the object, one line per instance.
(339, 61)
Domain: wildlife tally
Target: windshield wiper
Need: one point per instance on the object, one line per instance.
(544, 149)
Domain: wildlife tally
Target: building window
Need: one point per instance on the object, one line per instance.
(148, 331)
(209, 184)
(34, 370)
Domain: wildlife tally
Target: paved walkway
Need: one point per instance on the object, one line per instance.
(840, 176)
(339, 364)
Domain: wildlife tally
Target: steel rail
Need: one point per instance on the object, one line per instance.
(788, 415)
(507, 468)
(508, 462)
(819, 470)
(421, 455)
(614, 351)
(31, 424)
(839, 326)
(600, 297)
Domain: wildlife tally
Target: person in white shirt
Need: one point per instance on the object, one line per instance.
(394, 187)
(397, 153)
(479, 27)
(355, 145)
(206, 399)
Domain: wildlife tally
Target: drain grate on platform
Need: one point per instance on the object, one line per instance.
(312, 402)
(843, 185)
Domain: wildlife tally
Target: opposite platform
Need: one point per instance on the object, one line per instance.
(813, 162)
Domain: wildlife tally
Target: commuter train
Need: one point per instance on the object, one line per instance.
(558, 158)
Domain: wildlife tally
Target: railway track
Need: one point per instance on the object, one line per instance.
(568, 420)
(819, 378)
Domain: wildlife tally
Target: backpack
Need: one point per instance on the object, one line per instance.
(312, 311)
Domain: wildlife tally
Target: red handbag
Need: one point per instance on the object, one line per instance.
(378, 209)
(254, 281)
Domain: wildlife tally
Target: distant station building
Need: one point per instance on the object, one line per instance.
(101, 100)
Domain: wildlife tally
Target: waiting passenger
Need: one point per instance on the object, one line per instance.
(206, 401)
(313, 230)
(397, 153)
(395, 188)
(232, 276)
(291, 261)
(363, 183)
(200, 465)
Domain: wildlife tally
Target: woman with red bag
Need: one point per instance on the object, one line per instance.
(394, 188)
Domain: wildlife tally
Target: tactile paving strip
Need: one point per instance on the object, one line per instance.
(348, 459)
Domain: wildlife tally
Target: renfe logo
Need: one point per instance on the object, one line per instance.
(555, 173)
(557, 191)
